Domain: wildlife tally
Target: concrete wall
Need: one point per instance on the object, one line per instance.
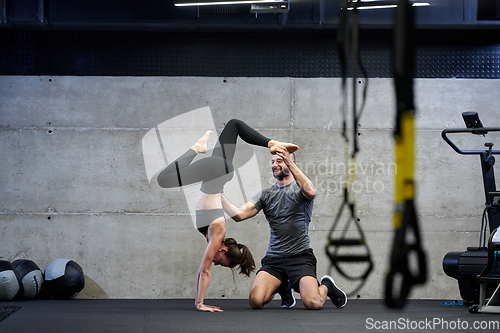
(74, 185)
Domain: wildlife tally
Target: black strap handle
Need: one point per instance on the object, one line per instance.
(405, 217)
(401, 251)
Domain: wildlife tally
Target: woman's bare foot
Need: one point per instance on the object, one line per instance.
(288, 146)
(200, 147)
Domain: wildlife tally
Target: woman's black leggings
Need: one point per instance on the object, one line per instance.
(214, 171)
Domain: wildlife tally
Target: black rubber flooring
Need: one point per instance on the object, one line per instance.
(179, 315)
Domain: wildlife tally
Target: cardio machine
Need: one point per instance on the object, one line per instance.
(468, 267)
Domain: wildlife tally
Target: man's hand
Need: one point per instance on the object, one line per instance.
(285, 155)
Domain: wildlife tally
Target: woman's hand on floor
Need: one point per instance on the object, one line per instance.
(208, 308)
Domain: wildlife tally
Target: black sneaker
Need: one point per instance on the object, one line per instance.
(338, 297)
(287, 298)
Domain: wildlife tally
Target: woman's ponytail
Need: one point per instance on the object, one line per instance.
(239, 255)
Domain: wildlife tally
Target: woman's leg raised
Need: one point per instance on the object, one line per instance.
(171, 176)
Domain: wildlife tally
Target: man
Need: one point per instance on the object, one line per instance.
(289, 261)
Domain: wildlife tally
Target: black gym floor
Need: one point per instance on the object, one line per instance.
(179, 315)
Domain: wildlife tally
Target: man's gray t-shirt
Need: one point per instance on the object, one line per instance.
(288, 213)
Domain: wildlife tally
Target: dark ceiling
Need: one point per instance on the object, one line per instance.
(455, 39)
(164, 16)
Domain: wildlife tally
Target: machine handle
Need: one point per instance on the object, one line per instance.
(468, 130)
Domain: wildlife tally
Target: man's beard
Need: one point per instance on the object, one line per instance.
(280, 175)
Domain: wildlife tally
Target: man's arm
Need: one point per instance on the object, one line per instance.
(306, 186)
(244, 212)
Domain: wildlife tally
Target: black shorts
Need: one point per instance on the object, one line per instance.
(291, 268)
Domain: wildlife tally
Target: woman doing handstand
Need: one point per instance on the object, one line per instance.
(214, 172)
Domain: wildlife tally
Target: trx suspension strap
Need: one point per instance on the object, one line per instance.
(337, 237)
(405, 215)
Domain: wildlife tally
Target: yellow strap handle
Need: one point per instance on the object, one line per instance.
(404, 156)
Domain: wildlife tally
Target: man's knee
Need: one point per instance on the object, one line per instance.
(310, 293)
(255, 301)
(263, 288)
(312, 303)
(256, 304)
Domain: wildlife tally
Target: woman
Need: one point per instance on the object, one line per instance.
(214, 172)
